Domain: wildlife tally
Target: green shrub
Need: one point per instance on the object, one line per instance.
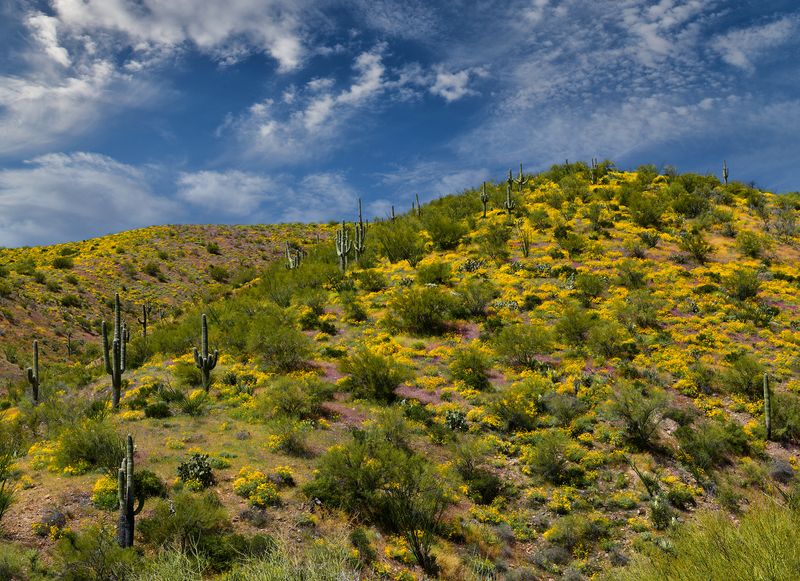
(695, 244)
(218, 273)
(786, 417)
(753, 244)
(550, 458)
(399, 240)
(518, 405)
(373, 376)
(187, 374)
(630, 275)
(519, 345)
(421, 311)
(640, 309)
(63, 262)
(641, 411)
(298, 398)
(389, 486)
(90, 444)
(213, 248)
(609, 339)
(648, 209)
(712, 443)
(196, 471)
(590, 286)
(494, 242)
(742, 284)
(574, 325)
(289, 436)
(280, 346)
(471, 365)
(93, 554)
(744, 375)
(435, 273)
(372, 281)
(184, 522)
(473, 296)
(445, 231)
(576, 531)
(760, 544)
(157, 410)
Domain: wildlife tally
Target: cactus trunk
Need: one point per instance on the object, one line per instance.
(125, 494)
(114, 355)
(767, 407)
(205, 362)
(33, 373)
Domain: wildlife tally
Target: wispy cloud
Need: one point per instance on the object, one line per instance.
(743, 47)
(59, 197)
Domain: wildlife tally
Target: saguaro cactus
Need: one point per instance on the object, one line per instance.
(767, 407)
(125, 494)
(293, 256)
(725, 171)
(343, 246)
(33, 373)
(419, 206)
(484, 199)
(521, 180)
(594, 170)
(509, 204)
(146, 310)
(392, 213)
(114, 352)
(360, 234)
(205, 362)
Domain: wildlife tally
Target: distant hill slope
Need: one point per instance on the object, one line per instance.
(60, 291)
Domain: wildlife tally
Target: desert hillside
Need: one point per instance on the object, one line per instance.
(582, 373)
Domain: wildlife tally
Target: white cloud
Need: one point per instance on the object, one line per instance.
(60, 197)
(234, 193)
(453, 86)
(740, 48)
(44, 29)
(225, 29)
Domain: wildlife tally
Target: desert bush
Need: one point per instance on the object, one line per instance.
(421, 311)
(577, 531)
(373, 376)
(293, 397)
(196, 471)
(609, 339)
(435, 273)
(551, 458)
(158, 410)
(574, 325)
(445, 231)
(786, 417)
(472, 297)
(389, 486)
(289, 436)
(695, 244)
(518, 405)
(640, 309)
(753, 244)
(399, 240)
(519, 345)
(90, 444)
(713, 546)
(281, 346)
(648, 209)
(372, 280)
(630, 275)
(712, 443)
(641, 411)
(63, 262)
(494, 242)
(742, 283)
(590, 286)
(187, 374)
(471, 365)
(743, 375)
(218, 273)
(184, 522)
(93, 554)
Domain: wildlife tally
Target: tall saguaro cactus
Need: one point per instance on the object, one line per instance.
(293, 257)
(114, 352)
(595, 167)
(509, 204)
(521, 180)
(343, 246)
(205, 362)
(725, 171)
(360, 234)
(484, 199)
(33, 373)
(767, 407)
(147, 308)
(125, 494)
(419, 206)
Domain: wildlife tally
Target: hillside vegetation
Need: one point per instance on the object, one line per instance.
(58, 294)
(583, 373)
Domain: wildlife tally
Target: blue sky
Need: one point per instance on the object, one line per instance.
(117, 114)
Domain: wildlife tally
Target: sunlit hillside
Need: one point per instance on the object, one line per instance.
(563, 375)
